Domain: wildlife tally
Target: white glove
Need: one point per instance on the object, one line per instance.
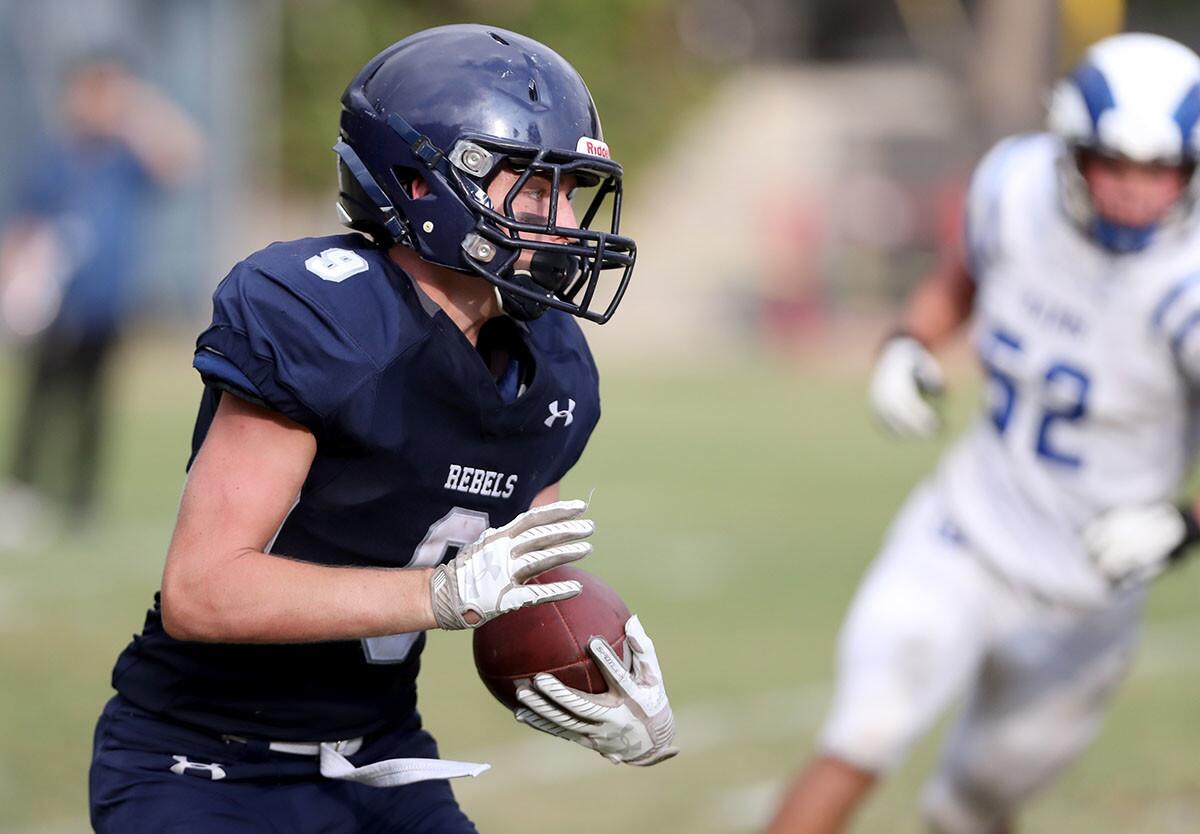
(630, 723)
(484, 580)
(1132, 545)
(904, 375)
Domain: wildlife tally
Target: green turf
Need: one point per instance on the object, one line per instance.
(736, 508)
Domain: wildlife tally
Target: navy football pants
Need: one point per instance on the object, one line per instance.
(150, 776)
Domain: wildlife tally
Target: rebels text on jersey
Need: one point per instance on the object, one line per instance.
(418, 451)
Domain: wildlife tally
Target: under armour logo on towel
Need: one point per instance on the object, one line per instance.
(182, 766)
(567, 414)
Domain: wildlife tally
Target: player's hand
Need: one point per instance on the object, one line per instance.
(905, 376)
(485, 579)
(1132, 545)
(631, 723)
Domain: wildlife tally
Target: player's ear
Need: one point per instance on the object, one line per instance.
(417, 187)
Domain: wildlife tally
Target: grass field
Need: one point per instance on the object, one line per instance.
(736, 506)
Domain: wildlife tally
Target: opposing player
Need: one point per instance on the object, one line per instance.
(380, 413)
(1016, 573)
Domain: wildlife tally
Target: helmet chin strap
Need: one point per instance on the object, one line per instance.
(1120, 238)
(548, 273)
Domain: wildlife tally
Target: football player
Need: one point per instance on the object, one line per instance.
(1015, 575)
(385, 421)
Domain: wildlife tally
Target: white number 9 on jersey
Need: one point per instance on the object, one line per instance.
(455, 529)
(336, 265)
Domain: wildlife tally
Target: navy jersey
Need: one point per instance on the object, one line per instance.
(418, 450)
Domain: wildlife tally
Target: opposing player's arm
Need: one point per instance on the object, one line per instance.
(1133, 544)
(219, 585)
(906, 373)
(941, 302)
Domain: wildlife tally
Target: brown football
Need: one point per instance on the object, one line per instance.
(551, 637)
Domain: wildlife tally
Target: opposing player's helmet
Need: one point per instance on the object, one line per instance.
(1135, 96)
(454, 104)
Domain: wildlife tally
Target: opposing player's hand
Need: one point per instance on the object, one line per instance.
(1132, 545)
(905, 375)
(631, 723)
(486, 578)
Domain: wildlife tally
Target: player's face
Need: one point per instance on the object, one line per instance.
(1132, 193)
(532, 202)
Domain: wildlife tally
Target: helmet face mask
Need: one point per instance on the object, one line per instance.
(537, 262)
(1130, 192)
(455, 106)
(1128, 119)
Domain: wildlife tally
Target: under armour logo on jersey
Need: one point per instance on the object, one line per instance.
(567, 414)
(182, 766)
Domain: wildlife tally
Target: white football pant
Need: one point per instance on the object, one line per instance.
(931, 622)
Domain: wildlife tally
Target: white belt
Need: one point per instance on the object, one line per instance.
(385, 774)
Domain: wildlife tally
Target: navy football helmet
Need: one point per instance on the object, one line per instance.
(453, 105)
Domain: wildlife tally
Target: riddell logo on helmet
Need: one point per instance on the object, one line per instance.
(593, 146)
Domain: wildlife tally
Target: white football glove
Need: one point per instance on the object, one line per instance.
(905, 374)
(630, 723)
(485, 579)
(1132, 545)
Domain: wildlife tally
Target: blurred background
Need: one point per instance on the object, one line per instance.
(793, 166)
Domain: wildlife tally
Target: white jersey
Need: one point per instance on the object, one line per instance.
(1090, 359)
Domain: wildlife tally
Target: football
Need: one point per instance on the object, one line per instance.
(551, 637)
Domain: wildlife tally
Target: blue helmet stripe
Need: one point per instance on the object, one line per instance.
(1096, 92)
(1186, 116)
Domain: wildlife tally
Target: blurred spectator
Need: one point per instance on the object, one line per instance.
(67, 262)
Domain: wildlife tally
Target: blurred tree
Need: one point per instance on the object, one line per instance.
(1083, 22)
(627, 50)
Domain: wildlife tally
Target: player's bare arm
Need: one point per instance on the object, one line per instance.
(220, 586)
(941, 303)
(547, 496)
